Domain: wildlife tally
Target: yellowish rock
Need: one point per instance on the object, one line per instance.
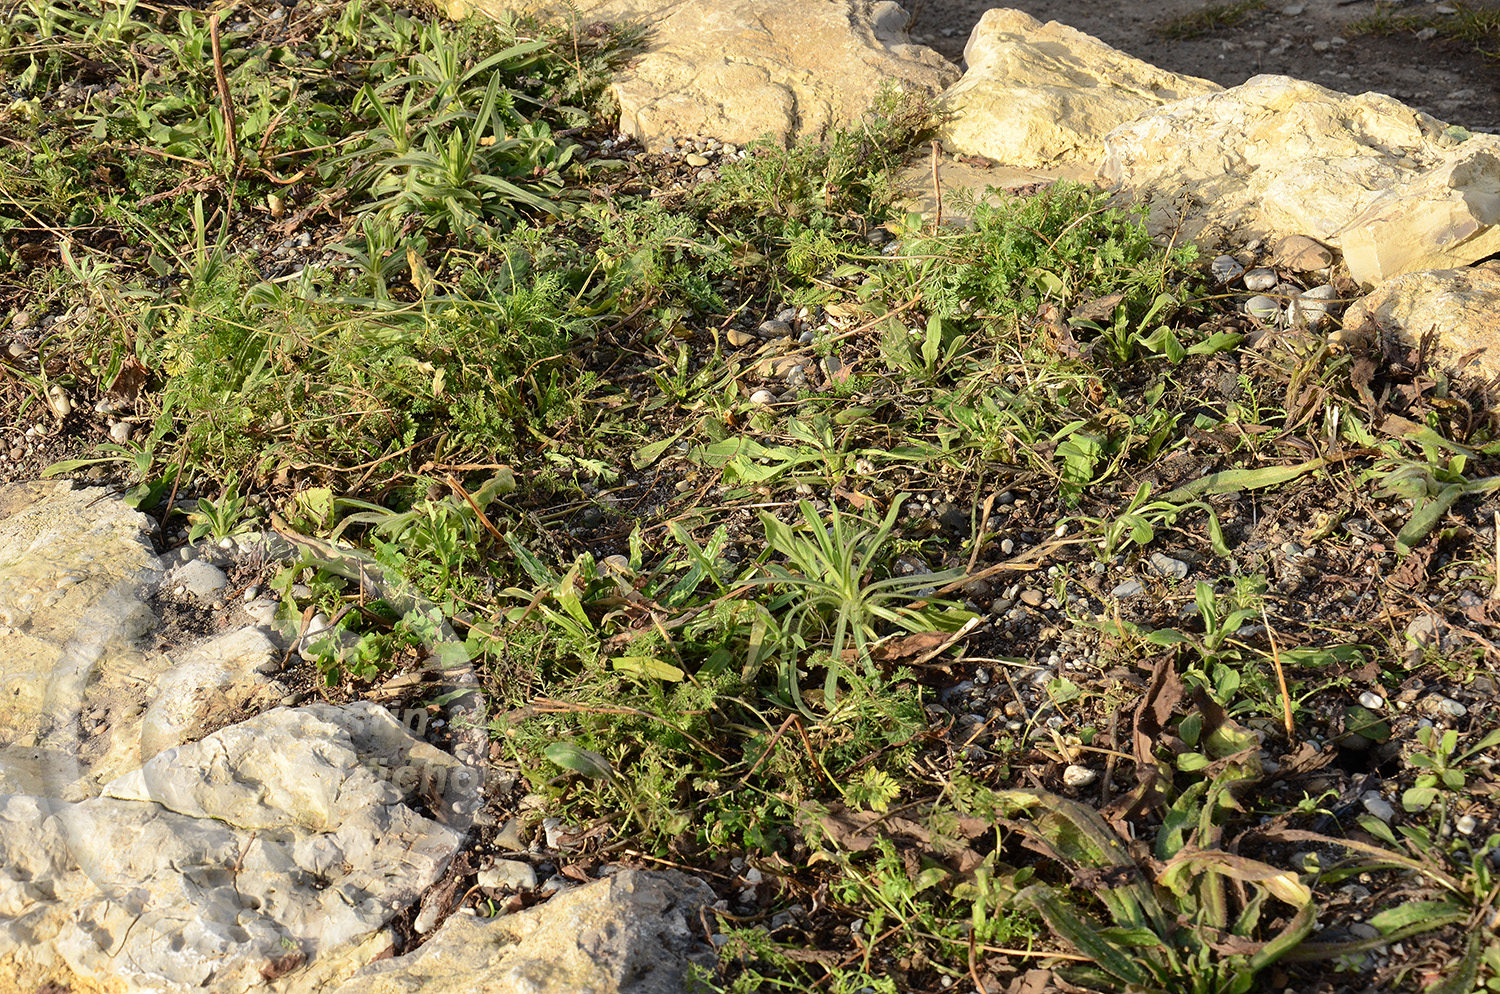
(1036, 94)
(739, 71)
(1447, 216)
(1462, 305)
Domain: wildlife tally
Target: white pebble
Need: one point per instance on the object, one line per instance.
(1371, 700)
(1260, 279)
(1079, 776)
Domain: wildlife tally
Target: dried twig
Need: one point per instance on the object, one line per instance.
(226, 102)
(937, 188)
(1286, 697)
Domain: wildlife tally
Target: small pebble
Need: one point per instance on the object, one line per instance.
(1371, 700)
(762, 397)
(1226, 269)
(1079, 776)
(1169, 567)
(1032, 597)
(1445, 707)
(1378, 806)
(508, 874)
(1130, 588)
(1465, 825)
(739, 339)
(1303, 254)
(1262, 308)
(1259, 280)
(1313, 307)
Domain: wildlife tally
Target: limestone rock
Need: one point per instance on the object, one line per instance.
(206, 685)
(1038, 94)
(276, 848)
(1276, 156)
(1462, 304)
(75, 568)
(740, 71)
(632, 933)
(81, 701)
(1444, 217)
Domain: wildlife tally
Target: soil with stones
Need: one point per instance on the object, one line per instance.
(1314, 40)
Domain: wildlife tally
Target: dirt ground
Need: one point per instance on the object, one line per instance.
(1448, 79)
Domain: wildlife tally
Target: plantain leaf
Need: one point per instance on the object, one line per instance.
(1084, 935)
(1230, 480)
(648, 666)
(584, 761)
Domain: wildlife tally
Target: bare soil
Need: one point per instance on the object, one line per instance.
(1444, 77)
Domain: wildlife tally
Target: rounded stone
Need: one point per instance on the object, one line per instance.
(1079, 776)
(1260, 280)
(1263, 308)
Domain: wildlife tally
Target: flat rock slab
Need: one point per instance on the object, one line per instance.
(740, 71)
(1036, 95)
(1462, 304)
(1443, 217)
(635, 932)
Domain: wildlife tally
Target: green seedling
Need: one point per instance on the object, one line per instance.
(829, 599)
(1191, 923)
(223, 518)
(1441, 765)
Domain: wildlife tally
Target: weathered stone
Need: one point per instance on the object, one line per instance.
(740, 71)
(207, 685)
(1447, 216)
(632, 933)
(1302, 253)
(200, 579)
(278, 847)
(1277, 156)
(1462, 304)
(74, 569)
(1038, 94)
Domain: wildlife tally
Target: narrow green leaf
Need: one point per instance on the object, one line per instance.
(1231, 480)
(1426, 518)
(1083, 935)
(584, 761)
(1430, 914)
(648, 666)
(648, 454)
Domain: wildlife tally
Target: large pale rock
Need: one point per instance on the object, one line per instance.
(1463, 305)
(740, 71)
(632, 933)
(82, 699)
(1040, 94)
(269, 856)
(1447, 216)
(75, 569)
(1277, 156)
